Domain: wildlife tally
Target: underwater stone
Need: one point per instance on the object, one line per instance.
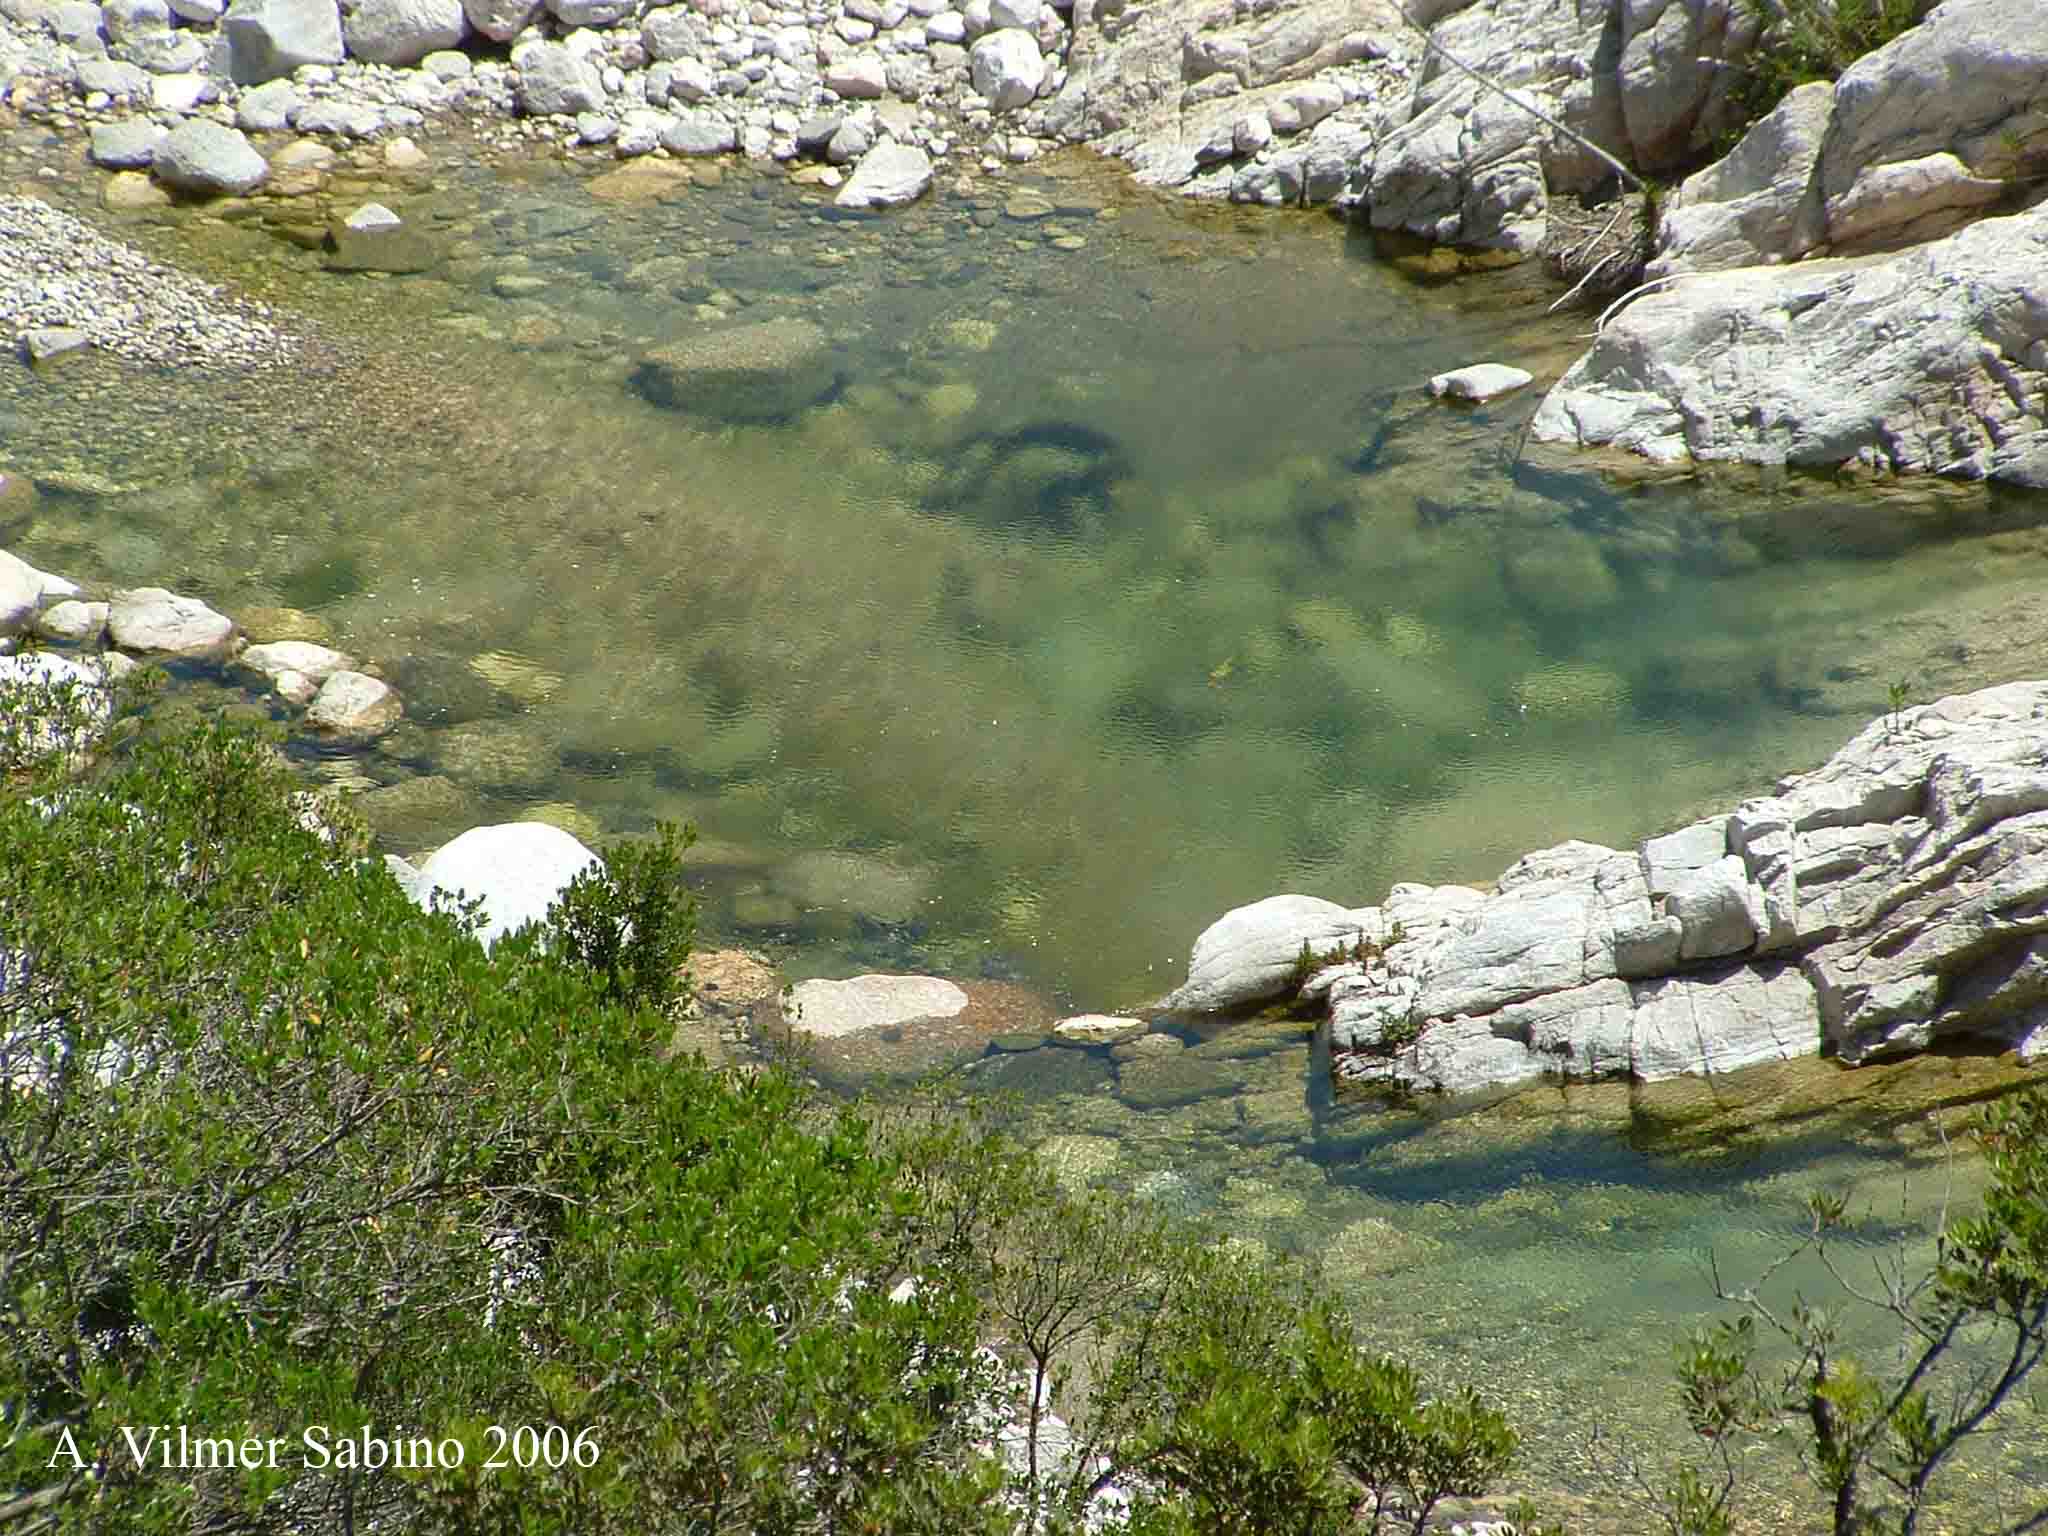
(764, 371)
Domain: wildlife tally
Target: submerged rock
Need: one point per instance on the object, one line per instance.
(374, 239)
(903, 1025)
(763, 371)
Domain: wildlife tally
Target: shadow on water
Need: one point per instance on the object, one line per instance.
(1049, 477)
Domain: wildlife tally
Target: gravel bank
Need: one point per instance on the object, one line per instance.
(58, 272)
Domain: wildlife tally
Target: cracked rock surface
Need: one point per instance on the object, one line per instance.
(1891, 901)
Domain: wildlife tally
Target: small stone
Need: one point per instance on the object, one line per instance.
(402, 154)
(73, 622)
(1479, 382)
(317, 662)
(374, 239)
(354, 705)
(47, 343)
(130, 144)
(132, 192)
(295, 688)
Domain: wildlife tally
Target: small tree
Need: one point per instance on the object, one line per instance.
(1972, 1329)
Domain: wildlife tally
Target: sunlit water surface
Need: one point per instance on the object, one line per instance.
(1123, 574)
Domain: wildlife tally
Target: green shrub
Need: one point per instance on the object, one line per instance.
(1807, 40)
(279, 1152)
(1879, 1435)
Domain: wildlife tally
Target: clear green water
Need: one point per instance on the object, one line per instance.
(1114, 586)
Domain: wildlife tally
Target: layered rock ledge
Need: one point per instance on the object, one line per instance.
(1892, 901)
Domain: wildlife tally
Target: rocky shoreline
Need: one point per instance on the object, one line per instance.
(1891, 902)
(1470, 136)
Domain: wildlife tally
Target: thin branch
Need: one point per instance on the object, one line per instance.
(1629, 178)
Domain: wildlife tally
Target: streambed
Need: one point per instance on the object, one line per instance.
(1121, 575)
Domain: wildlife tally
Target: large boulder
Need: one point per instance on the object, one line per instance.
(1007, 68)
(1250, 954)
(1930, 361)
(400, 32)
(1893, 900)
(761, 371)
(209, 158)
(888, 176)
(1930, 128)
(1759, 204)
(502, 20)
(555, 80)
(21, 593)
(151, 621)
(268, 39)
(518, 870)
(1678, 58)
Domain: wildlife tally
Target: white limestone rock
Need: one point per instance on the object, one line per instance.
(268, 39)
(1892, 900)
(1007, 68)
(1924, 128)
(400, 32)
(21, 593)
(73, 622)
(556, 81)
(1480, 382)
(317, 662)
(517, 869)
(151, 621)
(888, 176)
(865, 1004)
(1098, 1029)
(502, 20)
(1931, 361)
(1249, 954)
(354, 706)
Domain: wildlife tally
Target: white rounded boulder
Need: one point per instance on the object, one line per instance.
(517, 869)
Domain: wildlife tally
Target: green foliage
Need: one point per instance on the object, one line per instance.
(630, 922)
(280, 1151)
(1896, 693)
(1360, 951)
(1267, 1415)
(1807, 40)
(1971, 1332)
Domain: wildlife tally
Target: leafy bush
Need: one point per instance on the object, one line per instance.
(1970, 1332)
(279, 1152)
(1807, 40)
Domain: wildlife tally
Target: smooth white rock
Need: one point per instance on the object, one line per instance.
(1480, 381)
(518, 869)
(834, 1009)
